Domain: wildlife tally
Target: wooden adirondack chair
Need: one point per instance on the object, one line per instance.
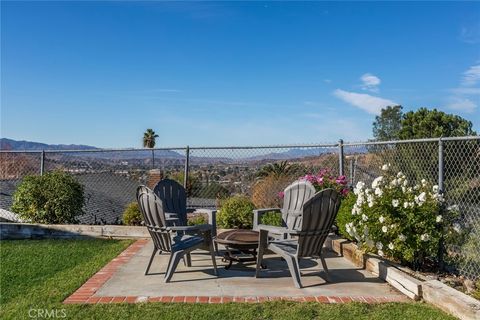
(171, 239)
(295, 195)
(319, 213)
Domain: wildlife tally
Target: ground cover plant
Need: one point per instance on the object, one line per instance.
(53, 269)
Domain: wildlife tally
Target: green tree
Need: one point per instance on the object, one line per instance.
(149, 140)
(388, 124)
(425, 123)
(279, 169)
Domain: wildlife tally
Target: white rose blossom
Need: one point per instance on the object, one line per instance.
(381, 219)
(391, 246)
(364, 217)
(395, 203)
(384, 229)
(425, 237)
(385, 167)
(380, 253)
(439, 218)
(402, 237)
(379, 245)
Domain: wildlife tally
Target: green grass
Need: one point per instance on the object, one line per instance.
(41, 274)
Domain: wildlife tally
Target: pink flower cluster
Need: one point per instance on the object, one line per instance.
(323, 180)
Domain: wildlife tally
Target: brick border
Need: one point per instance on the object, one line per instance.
(85, 294)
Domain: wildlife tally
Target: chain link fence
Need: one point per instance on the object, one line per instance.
(211, 174)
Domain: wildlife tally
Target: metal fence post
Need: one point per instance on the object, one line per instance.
(187, 164)
(441, 167)
(42, 162)
(340, 158)
(352, 171)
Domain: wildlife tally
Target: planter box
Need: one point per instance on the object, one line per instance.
(451, 300)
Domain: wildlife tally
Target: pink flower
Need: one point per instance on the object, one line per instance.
(344, 192)
(281, 194)
(341, 180)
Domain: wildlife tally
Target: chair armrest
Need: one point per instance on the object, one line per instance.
(171, 215)
(200, 227)
(276, 230)
(258, 213)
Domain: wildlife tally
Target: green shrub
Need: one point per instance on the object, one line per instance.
(55, 197)
(196, 219)
(404, 221)
(236, 212)
(344, 215)
(132, 215)
(272, 218)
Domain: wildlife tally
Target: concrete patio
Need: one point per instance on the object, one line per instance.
(126, 279)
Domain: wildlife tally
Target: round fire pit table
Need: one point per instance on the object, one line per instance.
(237, 242)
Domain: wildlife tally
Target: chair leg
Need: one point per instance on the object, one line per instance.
(292, 263)
(260, 253)
(189, 259)
(151, 260)
(325, 268)
(172, 264)
(214, 261)
(262, 245)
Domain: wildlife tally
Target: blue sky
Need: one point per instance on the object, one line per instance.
(232, 73)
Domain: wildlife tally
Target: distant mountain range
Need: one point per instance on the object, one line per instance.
(286, 154)
(10, 144)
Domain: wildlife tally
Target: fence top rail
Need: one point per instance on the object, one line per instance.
(346, 144)
(326, 145)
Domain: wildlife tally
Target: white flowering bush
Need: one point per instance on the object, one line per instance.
(394, 218)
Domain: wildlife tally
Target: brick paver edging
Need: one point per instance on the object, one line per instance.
(85, 294)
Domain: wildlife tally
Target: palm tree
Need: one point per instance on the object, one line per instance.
(278, 169)
(149, 142)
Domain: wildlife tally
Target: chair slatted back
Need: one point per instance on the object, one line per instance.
(173, 197)
(153, 214)
(295, 196)
(318, 216)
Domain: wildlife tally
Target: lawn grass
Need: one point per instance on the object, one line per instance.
(40, 274)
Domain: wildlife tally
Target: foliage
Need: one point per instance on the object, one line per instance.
(55, 197)
(272, 218)
(396, 219)
(54, 269)
(236, 212)
(279, 169)
(344, 214)
(132, 215)
(149, 138)
(388, 124)
(197, 219)
(425, 123)
(324, 180)
(265, 191)
(212, 190)
(469, 249)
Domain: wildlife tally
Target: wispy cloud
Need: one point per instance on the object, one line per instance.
(370, 82)
(460, 100)
(366, 102)
(471, 76)
(471, 34)
(466, 91)
(462, 104)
